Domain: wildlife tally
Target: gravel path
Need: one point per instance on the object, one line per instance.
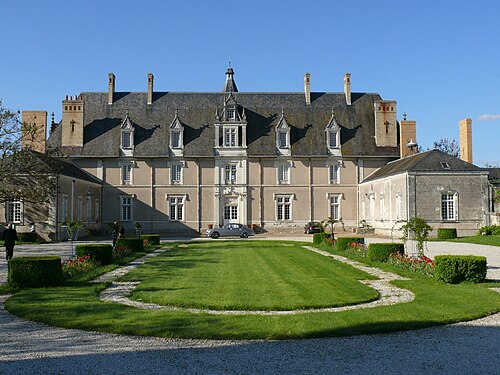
(467, 347)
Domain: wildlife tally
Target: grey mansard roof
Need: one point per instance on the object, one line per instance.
(428, 161)
(197, 115)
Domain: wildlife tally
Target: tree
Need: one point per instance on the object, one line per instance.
(24, 174)
(451, 147)
(418, 230)
(331, 222)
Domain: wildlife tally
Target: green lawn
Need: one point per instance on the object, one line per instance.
(78, 306)
(481, 240)
(248, 275)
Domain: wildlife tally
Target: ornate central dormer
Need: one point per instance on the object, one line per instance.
(231, 123)
(127, 136)
(283, 136)
(176, 132)
(332, 131)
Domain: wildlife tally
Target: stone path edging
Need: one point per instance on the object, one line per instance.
(119, 292)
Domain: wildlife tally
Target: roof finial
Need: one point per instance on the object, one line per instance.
(127, 112)
(229, 62)
(282, 111)
(404, 116)
(176, 112)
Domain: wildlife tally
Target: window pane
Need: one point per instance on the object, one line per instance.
(175, 140)
(332, 139)
(282, 139)
(126, 137)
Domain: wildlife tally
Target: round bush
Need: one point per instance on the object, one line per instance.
(343, 242)
(35, 272)
(380, 251)
(446, 233)
(134, 244)
(153, 239)
(454, 269)
(102, 253)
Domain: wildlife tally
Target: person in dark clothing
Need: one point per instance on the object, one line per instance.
(116, 232)
(9, 240)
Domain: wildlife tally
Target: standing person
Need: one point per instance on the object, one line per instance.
(9, 239)
(116, 232)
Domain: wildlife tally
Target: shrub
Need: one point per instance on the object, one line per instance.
(101, 253)
(153, 239)
(27, 237)
(380, 251)
(343, 242)
(134, 244)
(418, 229)
(81, 264)
(453, 269)
(490, 230)
(446, 233)
(35, 272)
(318, 238)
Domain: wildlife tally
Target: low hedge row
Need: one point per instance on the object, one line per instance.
(454, 269)
(153, 239)
(380, 251)
(134, 244)
(35, 272)
(102, 253)
(343, 242)
(318, 238)
(446, 233)
(27, 237)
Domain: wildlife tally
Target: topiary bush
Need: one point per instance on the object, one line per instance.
(134, 244)
(454, 269)
(102, 253)
(380, 251)
(35, 272)
(446, 233)
(27, 237)
(343, 242)
(153, 239)
(489, 230)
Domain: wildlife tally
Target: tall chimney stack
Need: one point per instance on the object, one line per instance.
(307, 88)
(111, 88)
(407, 137)
(347, 88)
(33, 130)
(466, 140)
(150, 88)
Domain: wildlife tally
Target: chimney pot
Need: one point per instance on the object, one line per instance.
(347, 88)
(111, 88)
(150, 88)
(307, 88)
(466, 140)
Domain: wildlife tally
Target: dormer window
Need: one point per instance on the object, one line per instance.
(332, 132)
(230, 136)
(230, 114)
(176, 136)
(283, 136)
(127, 136)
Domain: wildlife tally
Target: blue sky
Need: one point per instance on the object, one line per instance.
(440, 60)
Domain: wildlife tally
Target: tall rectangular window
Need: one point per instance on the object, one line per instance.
(175, 139)
(64, 208)
(126, 139)
(282, 141)
(230, 173)
(283, 207)
(230, 137)
(335, 207)
(176, 173)
(14, 212)
(126, 208)
(334, 175)
(332, 139)
(176, 208)
(448, 206)
(284, 174)
(126, 171)
(89, 209)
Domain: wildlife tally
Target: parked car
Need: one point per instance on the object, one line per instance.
(312, 227)
(230, 230)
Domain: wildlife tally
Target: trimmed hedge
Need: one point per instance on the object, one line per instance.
(134, 244)
(153, 239)
(35, 272)
(446, 233)
(343, 242)
(454, 269)
(318, 238)
(27, 237)
(102, 253)
(380, 251)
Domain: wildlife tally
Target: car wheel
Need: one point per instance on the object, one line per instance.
(215, 235)
(244, 235)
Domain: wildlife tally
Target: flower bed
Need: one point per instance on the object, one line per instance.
(358, 249)
(422, 264)
(80, 264)
(120, 251)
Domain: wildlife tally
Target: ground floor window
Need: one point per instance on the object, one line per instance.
(335, 206)
(230, 212)
(64, 208)
(126, 208)
(283, 207)
(449, 206)
(176, 208)
(14, 212)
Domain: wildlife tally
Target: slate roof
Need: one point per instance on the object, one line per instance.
(428, 161)
(197, 115)
(494, 174)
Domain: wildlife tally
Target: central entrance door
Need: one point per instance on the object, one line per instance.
(230, 210)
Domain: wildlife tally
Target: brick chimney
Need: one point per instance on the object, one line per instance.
(150, 88)
(407, 137)
(111, 88)
(466, 140)
(347, 88)
(307, 88)
(385, 123)
(34, 130)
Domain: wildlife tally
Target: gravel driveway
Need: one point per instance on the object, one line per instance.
(33, 348)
